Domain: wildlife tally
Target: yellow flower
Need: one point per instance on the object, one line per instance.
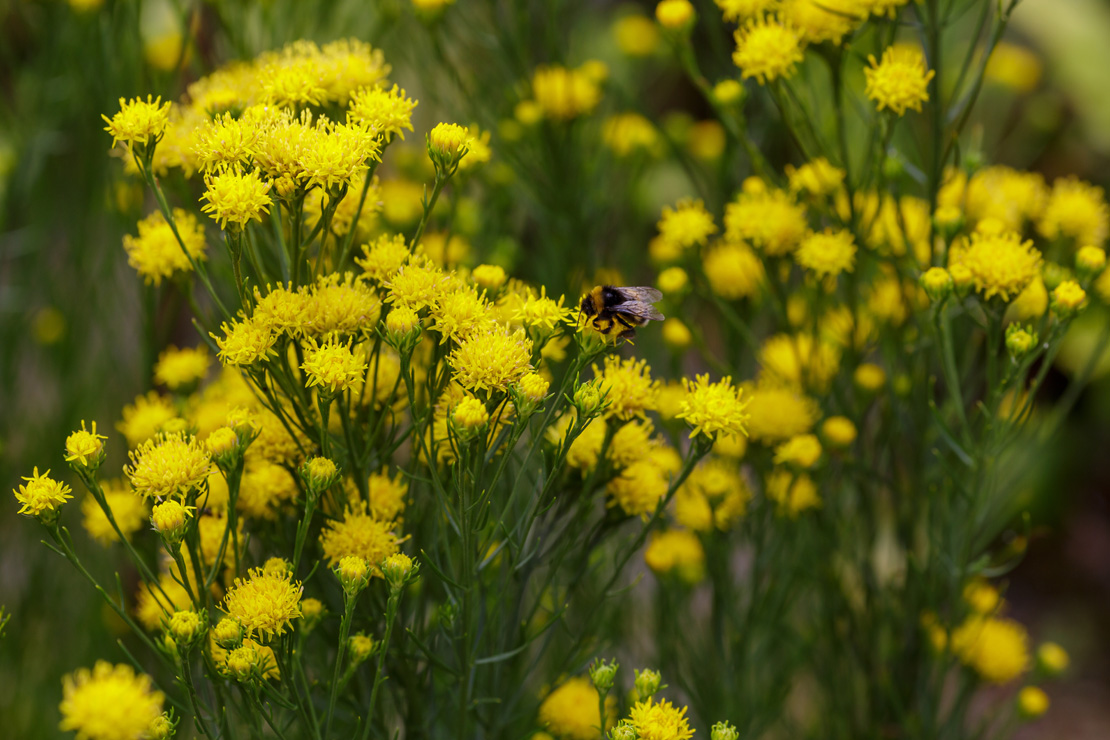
(338, 154)
(818, 178)
(1030, 303)
(470, 414)
(264, 488)
(152, 605)
(138, 122)
(42, 495)
(1068, 298)
(491, 359)
(109, 703)
(679, 551)
(639, 488)
(1032, 702)
(733, 270)
(629, 134)
(227, 140)
(280, 310)
(776, 413)
(636, 35)
(767, 217)
(823, 20)
(170, 518)
(793, 494)
(767, 48)
(712, 408)
(830, 252)
(146, 417)
(340, 304)
(245, 342)
(676, 334)
(997, 649)
(361, 535)
(459, 313)
(629, 387)
(181, 368)
(168, 465)
(1090, 262)
(900, 80)
(417, 285)
(384, 112)
(869, 377)
(687, 224)
(1000, 264)
(736, 11)
(1075, 210)
(332, 366)
(448, 142)
(937, 283)
(838, 431)
(571, 711)
(265, 603)
(542, 314)
(1052, 658)
(563, 93)
(803, 451)
(157, 254)
(659, 721)
(85, 447)
(490, 277)
(799, 360)
(534, 387)
(631, 443)
(386, 496)
(236, 197)
(127, 507)
(1014, 67)
(674, 15)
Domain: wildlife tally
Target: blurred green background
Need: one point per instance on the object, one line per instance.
(73, 344)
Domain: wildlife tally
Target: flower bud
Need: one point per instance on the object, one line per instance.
(402, 328)
(728, 92)
(228, 633)
(723, 731)
(490, 277)
(647, 683)
(603, 674)
(222, 442)
(1052, 659)
(186, 626)
(838, 431)
(675, 15)
(164, 727)
(962, 279)
(623, 731)
(676, 334)
(1032, 702)
(469, 417)
(534, 387)
(1089, 262)
(312, 611)
(242, 662)
(397, 568)
(587, 400)
(1068, 299)
(937, 284)
(319, 474)
(869, 377)
(170, 518)
(672, 281)
(1019, 340)
(353, 573)
(361, 647)
(447, 144)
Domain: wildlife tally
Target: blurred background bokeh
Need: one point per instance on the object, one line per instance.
(74, 343)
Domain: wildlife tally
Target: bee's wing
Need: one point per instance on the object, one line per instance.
(638, 309)
(642, 293)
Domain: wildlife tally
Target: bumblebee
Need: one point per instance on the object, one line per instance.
(611, 310)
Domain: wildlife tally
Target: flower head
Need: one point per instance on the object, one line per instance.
(169, 465)
(659, 721)
(817, 178)
(678, 551)
(245, 342)
(1076, 210)
(768, 218)
(777, 412)
(448, 143)
(332, 366)
(827, 253)
(563, 94)
(236, 197)
(138, 121)
(572, 712)
(712, 408)
(361, 535)
(384, 112)
(85, 448)
(264, 603)
(639, 488)
(628, 386)
(1000, 264)
(491, 359)
(157, 254)
(181, 368)
(687, 224)
(900, 80)
(41, 496)
(792, 493)
(997, 649)
(733, 270)
(109, 703)
(767, 48)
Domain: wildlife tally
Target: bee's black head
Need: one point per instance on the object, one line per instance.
(587, 306)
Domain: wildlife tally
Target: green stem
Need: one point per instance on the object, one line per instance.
(344, 631)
